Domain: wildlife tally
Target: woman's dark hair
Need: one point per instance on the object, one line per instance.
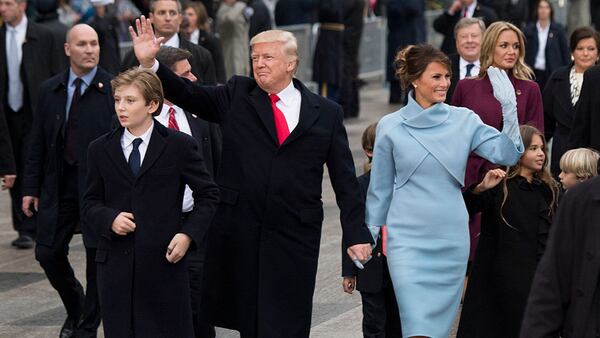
(412, 61)
(537, 5)
(581, 33)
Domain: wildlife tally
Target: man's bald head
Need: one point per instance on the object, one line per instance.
(82, 48)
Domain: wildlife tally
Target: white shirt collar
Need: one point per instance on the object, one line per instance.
(129, 137)
(21, 26)
(195, 36)
(462, 63)
(287, 95)
(165, 111)
(540, 29)
(471, 9)
(173, 41)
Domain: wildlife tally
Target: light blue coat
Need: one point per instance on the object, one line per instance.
(418, 170)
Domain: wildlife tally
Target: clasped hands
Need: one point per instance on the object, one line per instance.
(177, 248)
(360, 253)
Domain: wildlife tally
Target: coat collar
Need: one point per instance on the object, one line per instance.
(100, 82)
(417, 117)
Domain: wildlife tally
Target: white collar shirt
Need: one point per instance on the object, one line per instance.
(470, 9)
(462, 66)
(195, 36)
(173, 41)
(21, 32)
(540, 57)
(289, 104)
(127, 143)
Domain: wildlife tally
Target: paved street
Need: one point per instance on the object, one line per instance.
(29, 307)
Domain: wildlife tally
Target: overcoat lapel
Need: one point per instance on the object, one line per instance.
(564, 92)
(194, 127)
(261, 104)
(59, 125)
(155, 148)
(309, 112)
(115, 152)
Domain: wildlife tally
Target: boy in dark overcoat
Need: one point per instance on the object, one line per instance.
(135, 185)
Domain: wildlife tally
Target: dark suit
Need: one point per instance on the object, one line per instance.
(141, 293)
(557, 51)
(565, 295)
(295, 12)
(60, 187)
(201, 61)
(7, 161)
(380, 310)
(455, 62)
(212, 43)
(263, 245)
(558, 114)
(34, 70)
(445, 23)
(586, 123)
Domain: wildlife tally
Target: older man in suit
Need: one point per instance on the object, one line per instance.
(22, 69)
(445, 23)
(73, 108)
(208, 136)
(166, 17)
(468, 33)
(263, 245)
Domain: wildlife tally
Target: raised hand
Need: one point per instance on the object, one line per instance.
(491, 179)
(504, 91)
(145, 44)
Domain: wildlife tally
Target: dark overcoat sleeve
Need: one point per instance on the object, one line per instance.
(34, 163)
(549, 114)
(7, 161)
(550, 291)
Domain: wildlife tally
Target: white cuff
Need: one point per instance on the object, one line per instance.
(154, 67)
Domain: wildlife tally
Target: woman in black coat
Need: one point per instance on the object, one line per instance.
(516, 212)
(562, 92)
(546, 47)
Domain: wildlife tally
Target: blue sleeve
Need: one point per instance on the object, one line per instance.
(504, 148)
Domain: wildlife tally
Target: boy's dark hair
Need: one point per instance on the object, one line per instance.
(169, 56)
(146, 81)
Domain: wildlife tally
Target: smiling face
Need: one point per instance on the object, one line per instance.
(432, 86)
(506, 50)
(273, 68)
(534, 158)
(585, 54)
(83, 49)
(468, 42)
(133, 111)
(166, 18)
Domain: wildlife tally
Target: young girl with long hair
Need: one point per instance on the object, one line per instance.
(517, 206)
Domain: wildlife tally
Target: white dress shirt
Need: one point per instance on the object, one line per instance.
(470, 10)
(289, 104)
(184, 127)
(173, 41)
(21, 31)
(127, 143)
(540, 57)
(195, 36)
(462, 66)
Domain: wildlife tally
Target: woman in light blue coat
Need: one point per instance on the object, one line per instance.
(418, 170)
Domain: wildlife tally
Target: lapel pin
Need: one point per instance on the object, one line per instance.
(100, 85)
(194, 116)
(518, 91)
(551, 35)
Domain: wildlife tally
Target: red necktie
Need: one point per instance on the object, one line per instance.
(384, 240)
(464, 13)
(172, 122)
(281, 125)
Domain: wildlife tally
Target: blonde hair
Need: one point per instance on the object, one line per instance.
(488, 46)
(287, 39)
(146, 81)
(582, 162)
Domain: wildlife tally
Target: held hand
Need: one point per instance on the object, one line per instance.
(8, 181)
(491, 179)
(362, 252)
(26, 205)
(504, 91)
(178, 247)
(349, 283)
(145, 44)
(123, 224)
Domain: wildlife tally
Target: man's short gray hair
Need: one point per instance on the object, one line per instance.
(466, 22)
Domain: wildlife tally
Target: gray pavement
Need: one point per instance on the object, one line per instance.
(30, 308)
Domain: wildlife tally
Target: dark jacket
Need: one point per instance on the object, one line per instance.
(444, 24)
(557, 51)
(406, 26)
(295, 12)
(586, 123)
(260, 20)
(513, 239)
(201, 61)
(516, 12)
(328, 59)
(565, 294)
(212, 43)
(140, 291)
(34, 68)
(43, 168)
(263, 245)
(558, 114)
(7, 161)
(110, 54)
(455, 62)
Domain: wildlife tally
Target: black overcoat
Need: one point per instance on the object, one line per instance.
(557, 51)
(7, 160)
(263, 246)
(586, 123)
(140, 291)
(328, 59)
(558, 114)
(565, 298)
(44, 166)
(506, 257)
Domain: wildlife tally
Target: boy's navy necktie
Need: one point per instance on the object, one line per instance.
(134, 157)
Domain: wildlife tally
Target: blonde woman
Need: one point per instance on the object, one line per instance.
(503, 46)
